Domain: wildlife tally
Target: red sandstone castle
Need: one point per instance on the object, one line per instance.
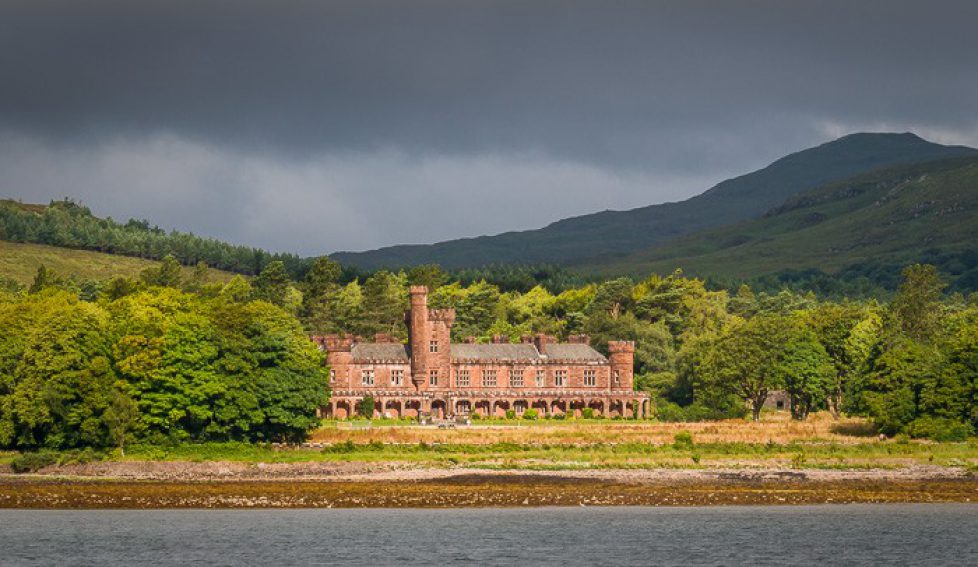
(432, 376)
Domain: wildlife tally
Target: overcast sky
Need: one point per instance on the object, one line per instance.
(320, 126)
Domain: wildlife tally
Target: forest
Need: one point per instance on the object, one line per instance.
(170, 358)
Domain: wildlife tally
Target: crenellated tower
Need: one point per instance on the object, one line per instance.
(621, 355)
(429, 340)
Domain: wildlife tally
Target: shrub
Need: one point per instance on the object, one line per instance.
(33, 462)
(530, 414)
(558, 416)
(587, 413)
(683, 440)
(366, 406)
(347, 446)
(510, 414)
(940, 429)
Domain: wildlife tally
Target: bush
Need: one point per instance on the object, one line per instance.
(33, 462)
(510, 414)
(683, 440)
(940, 429)
(530, 414)
(347, 446)
(587, 413)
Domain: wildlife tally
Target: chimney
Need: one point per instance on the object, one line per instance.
(581, 339)
(542, 340)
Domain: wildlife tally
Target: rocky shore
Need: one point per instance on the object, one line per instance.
(345, 485)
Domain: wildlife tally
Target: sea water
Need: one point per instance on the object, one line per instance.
(939, 534)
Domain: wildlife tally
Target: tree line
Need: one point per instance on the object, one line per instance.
(909, 364)
(170, 357)
(157, 359)
(70, 225)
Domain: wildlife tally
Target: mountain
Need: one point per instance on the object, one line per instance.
(868, 225)
(616, 234)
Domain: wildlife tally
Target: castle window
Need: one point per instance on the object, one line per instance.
(516, 377)
(590, 378)
(463, 378)
(617, 378)
(541, 378)
(332, 375)
(397, 377)
(433, 377)
(489, 378)
(368, 377)
(433, 346)
(559, 377)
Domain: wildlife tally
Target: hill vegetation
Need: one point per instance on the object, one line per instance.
(19, 264)
(617, 234)
(67, 224)
(866, 227)
(165, 359)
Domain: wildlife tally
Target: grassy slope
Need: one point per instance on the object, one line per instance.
(891, 215)
(19, 262)
(619, 233)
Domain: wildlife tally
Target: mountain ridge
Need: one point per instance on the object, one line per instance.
(584, 238)
(865, 225)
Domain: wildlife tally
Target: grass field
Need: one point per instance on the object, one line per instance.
(774, 443)
(19, 262)
(774, 428)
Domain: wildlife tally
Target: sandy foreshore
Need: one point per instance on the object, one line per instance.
(345, 485)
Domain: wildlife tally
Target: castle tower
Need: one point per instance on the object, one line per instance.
(418, 335)
(621, 355)
(429, 339)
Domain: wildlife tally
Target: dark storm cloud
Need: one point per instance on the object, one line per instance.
(650, 99)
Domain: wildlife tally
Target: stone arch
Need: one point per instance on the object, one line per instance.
(616, 408)
(463, 407)
(541, 407)
(597, 406)
(482, 407)
(412, 408)
(558, 407)
(499, 408)
(439, 409)
(520, 406)
(342, 410)
(392, 408)
(574, 407)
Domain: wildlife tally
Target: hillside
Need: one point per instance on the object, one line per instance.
(620, 233)
(67, 224)
(867, 224)
(19, 262)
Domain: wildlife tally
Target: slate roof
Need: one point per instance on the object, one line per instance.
(468, 351)
(526, 352)
(568, 351)
(380, 351)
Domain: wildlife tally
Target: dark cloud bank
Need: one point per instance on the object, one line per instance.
(318, 126)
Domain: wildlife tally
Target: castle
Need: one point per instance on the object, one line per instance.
(432, 376)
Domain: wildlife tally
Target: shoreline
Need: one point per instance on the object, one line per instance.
(392, 487)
